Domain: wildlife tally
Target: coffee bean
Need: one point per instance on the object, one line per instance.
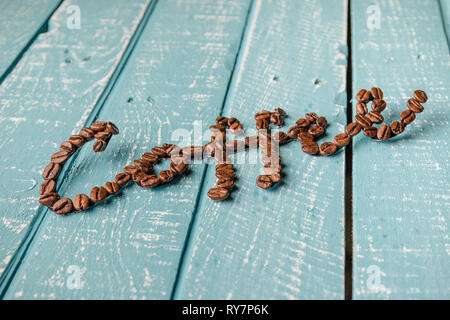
(353, 129)
(414, 105)
(150, 181)
(327, 148)
(166, 176)
(60, 157)
(276, 177)
(112, 128)
(47, 186)
(112, 187)
(361, 108)
(280, 111)
(231, 121)
(225, 174)
(221, 120)
(341, 140)
(68, 147)
(173, 150)
(122, 179)
(311, 117)
(99, 146)
(98, 126)
(225, 183)
(51, 171)
(236, 128)
(363, 121)
(224, 166)
(407, 116)
(63, 206)
(143, 165)
(48, 199)
(87, 134)
(159, 152)
(270, 169)
(102, 135)
(218, 193)
(397, 127)
(310, 147)
(281, 137)
(77, 140)
(378, 105)
(138, 177)
(264, 181)
(370, 132)
(98, 194)
(305, 136)
(153, 158)
(130, 170)
(363, 95)
(178, 168)
(262, 124)
(294, 131)
(316, 130)
(420, 96)
(384, 132)
(217, 127)
(276, 119)
(377, 93)
(322, 121)
(272, 160)
(375, 117)
(81, 202)
(302, 123)
(263, 115)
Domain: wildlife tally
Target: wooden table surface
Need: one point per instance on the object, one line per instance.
(368, 223)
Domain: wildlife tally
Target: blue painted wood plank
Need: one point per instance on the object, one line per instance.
(445, 12)
(286, 243)
(130, 246)
(402, 187)
(51, 93)
(20, 21)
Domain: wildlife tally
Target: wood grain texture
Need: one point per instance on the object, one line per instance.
(445, 12)
(50, 94)
(130, 246)
(402, 187)
(19, 23)
(286, 243)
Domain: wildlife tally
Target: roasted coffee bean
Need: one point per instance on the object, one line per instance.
(316, 130)
(370, 132)
(327, 148)
(377, 93)
(102, 135)
(280, 111)
(322, 121)
(150, 181)
(166, 176)
(310, 147)
(159, 152)
(98, 194)
(60, 157)
(87, 134)
(63, 206)
(173, 150)
(68, 147)
(122, 179)
(397, 127)
(341, 140)
(178, 168)
(378, 105)
(225, 183)
(222, 120)
(281, 137)
(263, 115)
(98, 126)
(143, 165)
(361, 108)
(217, 127)
(47, 186)
(112, 128)
(276, 119)
(48, 199)
(112, 187)
(224, 166)
(302, 123)
(420, 96)
(276, 177)
(305, 136)
(363, 121)
(270, 169)
(138, 177)
(130, 170)
(150, 157)
(384, 132)
(232, 121)
(218, 193)
(294, 131)
(262, 124)
(363, 95)
(414, 105)
(99, 146)
(407, 116)
(375, 117)
(51, 171)
(77, 140)
(270, 160)
(353, 129)
(81, 202)
(236, 128)
(225, 174)
(311, 117)
(264, 181)
(193, 152)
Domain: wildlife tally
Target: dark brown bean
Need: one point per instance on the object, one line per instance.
(225, 174)
(322, 121)
(327, 148)
(378, 105)
(281, 137)
(218, 193)
(251, 142)
(384, 132)
(420, 96)
(47, 186)
(311, 117)
(122, 179)
(166, 176)
(112, 128)
(87, 134)
(48, 199)
(99, 146)
(81, 202)
(276, 119)
(217, 127)
(397, 127)
(280, 111)
(414, 105)
(353, 129)
(375, 117)
(363, 121)
(60, 157)
(236, 128)
(264, 181)
(68, 147)
(150, 181)
(276, 177)
(225, 183)
(407, 117)
(112, 187)
(63, 206)
(224, 166)
(51, 171)
(98, 194)
(294, 131)
(138, 177)
(341, 140)
(370, 132)
(270, 169)
(304, 137)
(77, 140)
(222, 120)
(159, 152)
(143, 165)
(102, 135)
(316, 130)
(231, 121)
(153, 158)
(310, 147)
(263, 115)
(98, 126)
(302, 123)
(377, 93)
(262, 124)
(361, 108)
(178, 167)
(363, 95)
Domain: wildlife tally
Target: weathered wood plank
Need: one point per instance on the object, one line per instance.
(286, 243)
(130, 246)
(402, 187)
(445, 11)
(19, 23)
(49, 94)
